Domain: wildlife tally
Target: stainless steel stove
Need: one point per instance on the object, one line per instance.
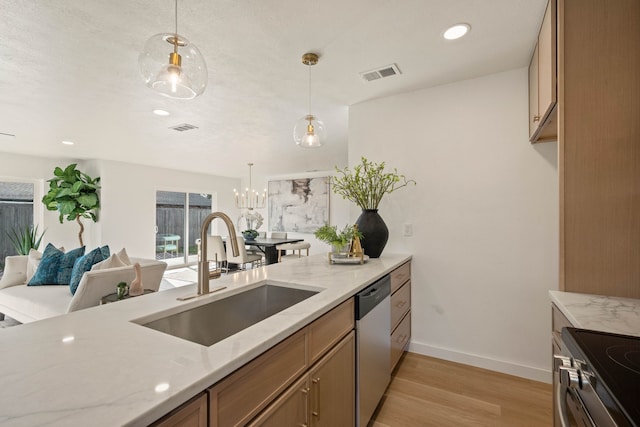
(597, 379)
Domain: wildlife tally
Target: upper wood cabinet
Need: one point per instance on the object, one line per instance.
(542, 80)
(599, 146)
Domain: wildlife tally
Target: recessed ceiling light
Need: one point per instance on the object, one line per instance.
(68, 339)
(160, 112)
(68, 142)
(456, 31)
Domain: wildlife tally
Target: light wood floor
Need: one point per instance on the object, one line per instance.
(432, 392)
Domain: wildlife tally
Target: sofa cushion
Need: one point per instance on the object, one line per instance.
(15, 271)
(111, 262)
(32, 263)
(124, 257)
(55, 266)
(83, 264)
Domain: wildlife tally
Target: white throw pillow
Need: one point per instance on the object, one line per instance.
(124, 257)
(111, 262)
(32, 263)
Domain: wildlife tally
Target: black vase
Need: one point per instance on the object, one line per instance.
(375, 232)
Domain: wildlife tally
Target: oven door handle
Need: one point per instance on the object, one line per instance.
(561, 403)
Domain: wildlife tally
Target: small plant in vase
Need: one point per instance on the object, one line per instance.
(340, 241)
(250, 234)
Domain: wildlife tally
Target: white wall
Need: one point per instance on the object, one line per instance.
(128, 196)
(484, 215)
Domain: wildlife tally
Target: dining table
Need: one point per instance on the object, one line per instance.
(267, 245)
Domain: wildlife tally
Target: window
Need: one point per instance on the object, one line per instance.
(179, 217)
(16, 214)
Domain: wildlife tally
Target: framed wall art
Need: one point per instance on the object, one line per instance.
(298, 205)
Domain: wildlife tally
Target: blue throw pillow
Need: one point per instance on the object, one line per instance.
(47, 271)
(82, 264)
(66, 265)
(106, 253)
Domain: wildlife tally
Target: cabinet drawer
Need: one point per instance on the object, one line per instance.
(558, 321)
(400, 338)
(400, 304)
(325, 332)
(240, 396)
(400, 275)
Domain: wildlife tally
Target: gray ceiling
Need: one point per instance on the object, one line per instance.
(69, 71)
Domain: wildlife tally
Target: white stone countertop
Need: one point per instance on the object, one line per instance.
(96, 367)
(599, 313)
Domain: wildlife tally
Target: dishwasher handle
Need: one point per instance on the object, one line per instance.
(371, 296)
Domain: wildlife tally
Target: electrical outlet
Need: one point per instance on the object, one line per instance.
(408, 230)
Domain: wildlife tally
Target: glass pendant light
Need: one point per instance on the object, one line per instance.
(173, 66)
(309, 132)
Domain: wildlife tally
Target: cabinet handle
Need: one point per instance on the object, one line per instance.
(316, 413)
(536, 118)
(305, 391)
(401, 304)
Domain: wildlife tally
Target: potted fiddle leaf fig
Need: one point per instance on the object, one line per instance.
(74, 194)
(365, 186)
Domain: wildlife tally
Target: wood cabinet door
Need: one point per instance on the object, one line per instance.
(332, 383)
(191, 414)
(290, 409)
(547, 68)
(534, 115)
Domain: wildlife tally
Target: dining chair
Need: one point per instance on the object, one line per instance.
(216, 248)
(297, 246)
(243, 257)
(278, 235)
(252, 249)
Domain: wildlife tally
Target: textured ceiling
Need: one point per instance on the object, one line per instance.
(68, 71)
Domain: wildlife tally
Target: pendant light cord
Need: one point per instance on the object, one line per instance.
(176, 13)
(309, 89)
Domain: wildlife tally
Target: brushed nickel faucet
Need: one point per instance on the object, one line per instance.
(203, 262)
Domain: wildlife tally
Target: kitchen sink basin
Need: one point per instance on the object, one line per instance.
(213, 322)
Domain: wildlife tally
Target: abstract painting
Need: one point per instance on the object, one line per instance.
(298, 205)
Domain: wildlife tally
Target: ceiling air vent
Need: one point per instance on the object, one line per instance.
(183, 127)
(379, 73)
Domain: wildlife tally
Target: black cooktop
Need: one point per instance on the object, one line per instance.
(615, 361)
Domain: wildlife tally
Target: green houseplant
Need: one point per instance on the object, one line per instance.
(337, 239)
(365, 186)
(25, 239)
(74, 195)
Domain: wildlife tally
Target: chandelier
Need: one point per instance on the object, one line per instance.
(250, 199)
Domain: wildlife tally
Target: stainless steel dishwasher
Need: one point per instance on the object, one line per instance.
(373, 347)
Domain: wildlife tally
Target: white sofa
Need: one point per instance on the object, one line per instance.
(30, 303)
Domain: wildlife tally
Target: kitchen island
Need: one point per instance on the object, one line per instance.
(99, 367)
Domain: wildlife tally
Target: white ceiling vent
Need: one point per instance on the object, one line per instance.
(379, 73)
(183, 127)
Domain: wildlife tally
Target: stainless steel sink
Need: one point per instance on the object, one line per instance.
(213, 322)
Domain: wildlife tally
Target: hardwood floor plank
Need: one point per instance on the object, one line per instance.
(425, 391)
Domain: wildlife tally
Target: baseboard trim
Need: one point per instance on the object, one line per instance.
(510, 368)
